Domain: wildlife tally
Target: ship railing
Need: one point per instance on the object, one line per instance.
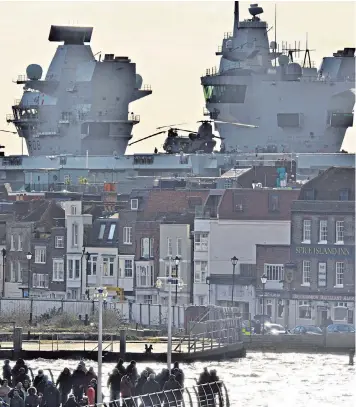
(22, 78)
(146, 87)
(214, 71)
(228, 35)
(220, 48)
(204, 395)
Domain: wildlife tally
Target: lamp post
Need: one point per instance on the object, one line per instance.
(81, 273)
(234, 261)
(29, 257)
(3, 253)
(170, 281)
(101, 295)
(87, 258)
(208, 282)
(176, 260)
(263, 281)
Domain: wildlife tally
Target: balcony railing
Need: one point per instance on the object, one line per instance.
(228, 35)
(146, 87)
(134, 117)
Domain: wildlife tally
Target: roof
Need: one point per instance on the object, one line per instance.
(257, 204)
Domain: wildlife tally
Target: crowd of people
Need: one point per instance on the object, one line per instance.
(79, 388)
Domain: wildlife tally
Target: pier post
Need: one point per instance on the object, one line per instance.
(17, 341)
(122, 343)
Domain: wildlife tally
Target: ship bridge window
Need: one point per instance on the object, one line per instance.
(341, 120)
(225, 93)
(288, 119)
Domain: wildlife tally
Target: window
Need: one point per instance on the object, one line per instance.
(179, 247)
(200, 271)
(127, 235)
(169, 247)
(274, 272)
(343, 195)
(147, 299)
(73, 269)
(59, 242)
(306, 231)
(306, 273)
(58, 270)
(19, 272)
(304, 310)
(12, 272)
(273, 203)
(280, 309)
(40, 255)
(201, 242)
(152, 248)
(134, 204)
(101, 231)
(340, 311)
(108, 266)
(340, 269)
(73, 210)
(323, 231)
(12, 242)
(339, 226)
(145, 247)
(40, 280)
(144, 276)
(111, 231)
(269, 308)
(19, 243)
(322, 275)
(128, 268)
(92, 265)
(74, 235)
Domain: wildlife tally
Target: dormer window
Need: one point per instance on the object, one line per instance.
(134, 204)
(73, 210)
(111, 231)
(101, 231)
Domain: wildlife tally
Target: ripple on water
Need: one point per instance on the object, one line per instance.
(263, 379)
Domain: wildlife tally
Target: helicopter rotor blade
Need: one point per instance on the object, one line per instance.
(237, 124)
(188, 131)
(8, 131)
(144, 138)
(171, 125)
(221, 138)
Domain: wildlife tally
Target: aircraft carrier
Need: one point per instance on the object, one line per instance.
(77, 121)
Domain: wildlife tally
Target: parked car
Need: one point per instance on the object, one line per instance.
(341, 328)
(307, 330)
(275, 329)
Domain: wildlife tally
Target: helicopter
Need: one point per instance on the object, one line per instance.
(201, 140)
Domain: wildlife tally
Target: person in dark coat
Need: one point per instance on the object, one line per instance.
(32, 400)
(18, 365)
(40, 382)
(140, 382)
(64, 382)
(21, 377)
(114, 383)
(121, 368)
(178, 373)
(17, 389)
(152, 387)
(51, 396)
(162, 377)
(78, 382)
(131, 371)
(6, 371)
(216, 386)
(16, 400)
(127, 390)
(172, 394)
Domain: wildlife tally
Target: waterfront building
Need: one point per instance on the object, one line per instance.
(231, 223)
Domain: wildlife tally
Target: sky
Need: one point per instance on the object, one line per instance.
(172, 44)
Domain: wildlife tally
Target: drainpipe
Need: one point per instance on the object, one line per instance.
(191, 294)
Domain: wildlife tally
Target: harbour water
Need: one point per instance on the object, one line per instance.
(262, 379)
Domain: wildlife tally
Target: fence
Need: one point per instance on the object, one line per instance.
(205, 395)
(153, 315)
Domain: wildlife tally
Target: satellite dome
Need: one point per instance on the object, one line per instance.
(34, 72)
(255, 9)
(139, 81)
(283, 60)
(294, 69)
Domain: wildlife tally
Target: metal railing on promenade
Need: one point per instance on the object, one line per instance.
(205, 395)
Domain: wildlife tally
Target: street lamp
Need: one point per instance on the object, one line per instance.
(3, 253)
(170, 281)
(263, 281)
(87, 258)
(176, 260)
(208, 282)
(81, 273)
(234, 261)
(29, 257)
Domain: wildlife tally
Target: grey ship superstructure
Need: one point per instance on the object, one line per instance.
(296, 109)
(82, 105)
